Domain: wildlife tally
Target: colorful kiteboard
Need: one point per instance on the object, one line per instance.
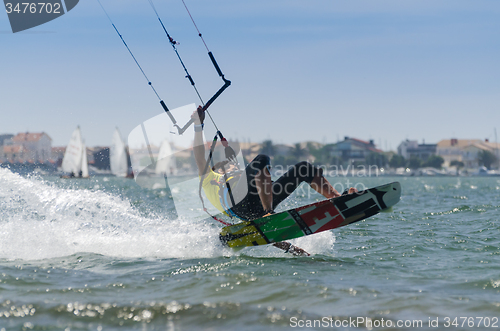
(314, 218)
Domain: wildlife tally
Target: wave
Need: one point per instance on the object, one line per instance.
(40, 220)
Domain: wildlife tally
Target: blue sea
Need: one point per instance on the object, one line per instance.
(105, 254)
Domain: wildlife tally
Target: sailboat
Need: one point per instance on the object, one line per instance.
(75, 161)
(165, 164)
(118, 157)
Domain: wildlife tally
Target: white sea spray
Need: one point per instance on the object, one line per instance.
(40, 220)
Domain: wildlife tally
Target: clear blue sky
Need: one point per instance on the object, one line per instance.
(301, 70)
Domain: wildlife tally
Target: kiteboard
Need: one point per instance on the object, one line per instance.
(313, 218)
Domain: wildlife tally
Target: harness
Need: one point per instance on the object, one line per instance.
(226, 184)
(225, 193)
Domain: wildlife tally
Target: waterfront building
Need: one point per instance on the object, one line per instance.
(470, 154)
(353, 149)
(455, 150)
(27, 147)
(13, 154)
(5, 137)
(409, 148)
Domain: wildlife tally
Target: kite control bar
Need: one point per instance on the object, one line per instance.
(205, 107)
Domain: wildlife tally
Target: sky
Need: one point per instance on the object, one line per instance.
(301, 70)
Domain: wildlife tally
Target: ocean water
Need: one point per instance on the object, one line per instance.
(104, 254)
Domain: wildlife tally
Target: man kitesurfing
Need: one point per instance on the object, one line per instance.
(250, 194)
(256, 195)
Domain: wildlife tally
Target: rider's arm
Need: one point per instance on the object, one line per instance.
(199, 143)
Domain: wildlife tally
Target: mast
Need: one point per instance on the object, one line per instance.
(85, 163)
(496, 146)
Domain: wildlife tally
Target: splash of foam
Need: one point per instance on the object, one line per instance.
(40, 220)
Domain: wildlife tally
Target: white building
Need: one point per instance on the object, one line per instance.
(405, 146)
(411, 148)
(465, 150)
(470, 154)
(452, 149)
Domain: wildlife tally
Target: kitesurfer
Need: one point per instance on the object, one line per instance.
(256, 195)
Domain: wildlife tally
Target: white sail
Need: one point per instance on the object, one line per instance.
(72, 161)
(75, 158)
(85, 163)
(166, 160)
(118, 156)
